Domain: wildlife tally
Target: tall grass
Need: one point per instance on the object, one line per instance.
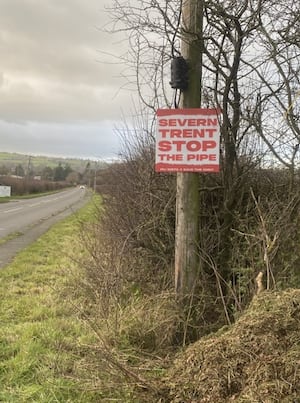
(47, 352)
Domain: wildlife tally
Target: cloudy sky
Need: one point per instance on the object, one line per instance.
(60, 90)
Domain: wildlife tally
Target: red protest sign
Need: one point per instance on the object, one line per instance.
(187, 140)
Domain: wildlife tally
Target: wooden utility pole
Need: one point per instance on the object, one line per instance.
(188, 199)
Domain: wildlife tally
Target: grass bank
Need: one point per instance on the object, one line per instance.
(56, 345)
(45, 347)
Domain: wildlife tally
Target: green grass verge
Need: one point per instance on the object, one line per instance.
(5, 199)
(44, 346)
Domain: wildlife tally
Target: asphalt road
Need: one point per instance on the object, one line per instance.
(33, 217)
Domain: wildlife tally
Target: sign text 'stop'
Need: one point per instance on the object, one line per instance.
(187, 140)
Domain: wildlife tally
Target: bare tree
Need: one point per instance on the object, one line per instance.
(251, 69)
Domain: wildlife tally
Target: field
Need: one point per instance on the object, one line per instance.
(14, 159)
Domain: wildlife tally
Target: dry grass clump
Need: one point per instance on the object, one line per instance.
(134, 346)
(149, 323)
(257, 360)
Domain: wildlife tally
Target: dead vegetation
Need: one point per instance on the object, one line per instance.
(140, 326)
(256, 360)
(126, 282)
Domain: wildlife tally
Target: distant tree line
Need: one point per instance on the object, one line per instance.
(26, 178)
(56, 174)
(22, 186)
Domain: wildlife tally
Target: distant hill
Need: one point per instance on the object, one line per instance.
(11, 160)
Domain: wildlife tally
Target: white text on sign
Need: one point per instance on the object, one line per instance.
(187, 140)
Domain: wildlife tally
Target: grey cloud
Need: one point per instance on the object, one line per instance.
(97, 141)
(60, 88)
(46, 101)
(55, 47)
